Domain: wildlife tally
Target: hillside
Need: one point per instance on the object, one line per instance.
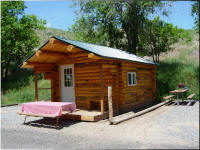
(48, 32)
(178, 66)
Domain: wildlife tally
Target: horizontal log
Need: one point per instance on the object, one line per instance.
(87, 88)
(86, 74)
(87, 81)
(88, 85)
(114, 70)
(87, 71)
(55, 43)
(87, 94)
(43, 70)
(52, 40)
(132, 102)
(82, 90)
(69, 48)
(132, 90)
(53, 54)
(80, 54)
(139, 113)
(79, 60)
(93, 56)
(33, 64)
(86, 78)
(129, 68)
(86, 68)
(109, 66)
(87, 60)
(145, 72)
(125, 63)
(144, 82)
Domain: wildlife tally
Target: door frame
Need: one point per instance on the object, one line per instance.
(60, 80)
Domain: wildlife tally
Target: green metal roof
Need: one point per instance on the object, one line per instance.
(104, 51)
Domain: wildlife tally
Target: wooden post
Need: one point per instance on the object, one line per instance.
(102, 106)
(102, 88)
(52, 90)
(110, 106)
(36, 87)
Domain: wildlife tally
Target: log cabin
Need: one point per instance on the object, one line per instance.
(81, 72)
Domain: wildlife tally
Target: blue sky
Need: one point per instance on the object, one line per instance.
(60, 14)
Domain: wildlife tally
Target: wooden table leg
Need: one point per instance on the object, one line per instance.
(177, 99)
(25, 119)
(57, 120)
(182, 97)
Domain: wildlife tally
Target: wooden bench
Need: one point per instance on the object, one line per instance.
(190, 98)
(168, 97)
(44, 115)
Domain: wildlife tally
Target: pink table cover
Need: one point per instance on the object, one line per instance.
(48, 108)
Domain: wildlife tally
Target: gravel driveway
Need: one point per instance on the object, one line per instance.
(166, 127)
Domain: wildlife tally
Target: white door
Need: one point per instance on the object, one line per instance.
(67, 83)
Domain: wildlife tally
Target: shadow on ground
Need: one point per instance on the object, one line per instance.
(184, 103)
(51, 123)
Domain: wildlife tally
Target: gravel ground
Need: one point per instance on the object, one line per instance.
(167, 127)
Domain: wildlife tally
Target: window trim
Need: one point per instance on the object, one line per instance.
(131, 78)
(72, 80)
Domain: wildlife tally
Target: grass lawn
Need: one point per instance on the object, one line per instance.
(26, 93)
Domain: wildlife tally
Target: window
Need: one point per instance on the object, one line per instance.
(68, 78)
(131, 78)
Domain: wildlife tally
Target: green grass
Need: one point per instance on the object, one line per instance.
(26, 93)
(172, 72)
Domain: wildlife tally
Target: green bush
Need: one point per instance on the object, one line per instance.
(172, 72)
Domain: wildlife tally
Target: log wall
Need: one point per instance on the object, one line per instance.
(87, 85)
(92, 78)
(111, 77)
(141, 94)
(91, 84)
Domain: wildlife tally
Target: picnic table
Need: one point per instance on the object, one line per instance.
(47, 109)
(177, 92)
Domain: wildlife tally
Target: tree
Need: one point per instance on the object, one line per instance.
(18, 32)
(159, 37)
(114, 23)
(195, 14)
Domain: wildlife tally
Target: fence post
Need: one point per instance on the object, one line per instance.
(36, 87)
(110, 106)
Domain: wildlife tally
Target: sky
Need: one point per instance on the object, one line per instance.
(61, 14)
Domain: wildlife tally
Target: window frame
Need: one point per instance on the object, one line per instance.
(132, 84)
(69, 71)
